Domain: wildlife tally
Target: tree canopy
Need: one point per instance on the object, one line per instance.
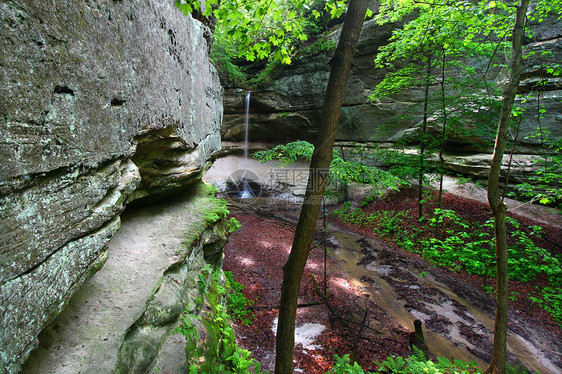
(265, 29)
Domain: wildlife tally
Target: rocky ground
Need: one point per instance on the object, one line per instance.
(106, 312)
(376, 291)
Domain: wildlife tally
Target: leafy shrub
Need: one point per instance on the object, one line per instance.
(458, 245)
(341, 171)
(219, 353)
(236, 302)
(415, 364)
(229, 72)
(546, 182)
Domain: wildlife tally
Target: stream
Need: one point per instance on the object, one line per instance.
(458, 319)
(434, 300)
(348, 253)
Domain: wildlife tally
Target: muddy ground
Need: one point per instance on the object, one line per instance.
(376, 291)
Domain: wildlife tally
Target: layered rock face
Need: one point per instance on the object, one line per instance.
(102, 102)
(289, 109)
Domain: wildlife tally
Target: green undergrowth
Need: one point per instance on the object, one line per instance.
(415, 364)
(446, 239)
(212, 209)
(341, 171)
(211, 341)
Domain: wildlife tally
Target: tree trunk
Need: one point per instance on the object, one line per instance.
(444, 130)
(320, 163)
(499, 208)
(424, 137)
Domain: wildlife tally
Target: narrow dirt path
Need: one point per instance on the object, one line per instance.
(86, 336)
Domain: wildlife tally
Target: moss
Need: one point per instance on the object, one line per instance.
(208, 206)
(138, 354)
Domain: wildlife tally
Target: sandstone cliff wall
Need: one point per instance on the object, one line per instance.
(290, 107)
(101, 103)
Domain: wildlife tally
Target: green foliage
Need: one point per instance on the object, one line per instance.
(263, 29)
(346, 171)
(446, 35)
(415, 364)
(323, 44)
(399, 163)
(472, 250)
(218, 352)
(550, 299)
(384, 222)
(392, 364)
(458, 245)
(343, 366)
(236, 302)
(208, 189)
(233, 224)
(546, 186)
(217, 212)
(341, 171)
(230, 73)
(218, 209)
(287, 153)
(234, 72)
(212, 209)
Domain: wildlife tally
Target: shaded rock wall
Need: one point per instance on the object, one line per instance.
(289, 109)
(101, 102)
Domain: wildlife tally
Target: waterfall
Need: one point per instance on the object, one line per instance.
(245, 192)
(247, 114)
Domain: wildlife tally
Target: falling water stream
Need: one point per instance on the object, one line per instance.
(245, 192)
(246, 117)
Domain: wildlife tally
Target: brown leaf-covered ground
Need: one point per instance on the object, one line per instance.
(353, 318)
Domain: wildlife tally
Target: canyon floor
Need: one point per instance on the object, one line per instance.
(370, 309)
(86, 336)
(376, 291)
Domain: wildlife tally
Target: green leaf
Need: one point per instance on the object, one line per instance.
(545, 201)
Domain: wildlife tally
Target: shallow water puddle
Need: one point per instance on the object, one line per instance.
(348, 252)
(305, 334)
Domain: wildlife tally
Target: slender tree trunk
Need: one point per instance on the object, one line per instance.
(444, 130)
(499, 208)
(324, 233)
(345, 190)
(423, 137)
(321, 159)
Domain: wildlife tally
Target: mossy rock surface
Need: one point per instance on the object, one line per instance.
(124, 316)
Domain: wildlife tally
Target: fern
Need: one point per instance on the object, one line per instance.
(418, 354)
(392, 365)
